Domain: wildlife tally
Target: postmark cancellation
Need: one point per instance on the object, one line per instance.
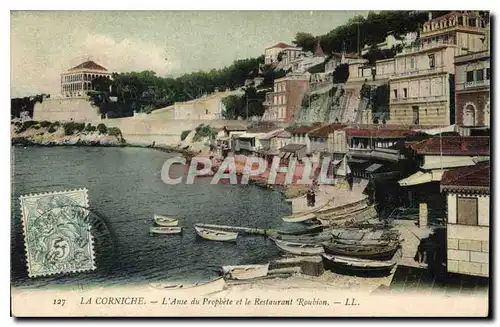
(57, 236)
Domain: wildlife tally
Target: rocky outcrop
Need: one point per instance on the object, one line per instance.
(52, 136)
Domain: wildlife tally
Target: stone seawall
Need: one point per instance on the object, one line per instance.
(145, 131)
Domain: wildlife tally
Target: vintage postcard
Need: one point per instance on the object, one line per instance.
(250, 163)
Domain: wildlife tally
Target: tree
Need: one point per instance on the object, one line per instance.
(305, 40)
(232, 106)
(341, 73)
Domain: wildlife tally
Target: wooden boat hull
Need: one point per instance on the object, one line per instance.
(200, 288)
(298, 218)
(324, 236)
(357, 266)
(165, 230)
(299, 248)
(309, 230)
(216, 235)
(360, 251)
(165, 221)
(245, 271)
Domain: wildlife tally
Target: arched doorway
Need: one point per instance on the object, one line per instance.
(469, 118)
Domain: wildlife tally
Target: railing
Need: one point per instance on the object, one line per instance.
(431, 98)
(418, 72)
(420, 47)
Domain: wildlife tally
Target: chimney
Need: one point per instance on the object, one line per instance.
(430, 15)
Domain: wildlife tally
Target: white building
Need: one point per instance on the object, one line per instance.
(78, 80)
(289, 51)
(391, 41)
(467, 191)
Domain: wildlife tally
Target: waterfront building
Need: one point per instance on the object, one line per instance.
(284, 102)
(472, 90)
(435, 156)
(467, 191)
(249, 142)
(78, 80)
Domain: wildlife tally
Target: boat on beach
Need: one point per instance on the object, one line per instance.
(357, 265)
(215, 235)
(382, 252)
(165, 221)
(199, 288)
(306, 231)
(165, 230)
(298, 248)
(245, 271)
(314, 238)
(299, 217)
(368, 242)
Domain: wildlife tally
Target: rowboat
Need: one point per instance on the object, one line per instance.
(245, 272)
(362, 242)
(215, 235)
(299, 217)
(199, 288)
(356, 265)
(314, 238)
(364, 234)
(362, 251)
(165, 230)
(299, 248)
(165, 221)
(306, 231)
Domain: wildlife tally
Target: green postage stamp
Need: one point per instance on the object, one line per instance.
(57, 237)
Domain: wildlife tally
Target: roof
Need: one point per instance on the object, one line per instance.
(470, 178)
(318, 51)
(261, 129)
(346, 55)
(303, 129)
(454, 145)
(281, 45)
(271, 134)
(325, 130)
(292, 147)
(379, 132)
(89, 65)
(234, 127)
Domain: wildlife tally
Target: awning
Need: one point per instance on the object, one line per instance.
(373, 167)
(438, 130)
(292, 147)
(336, 162)
(223, 138)
(421, 177)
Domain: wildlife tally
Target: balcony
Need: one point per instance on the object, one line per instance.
(430, 98)
(417, 72)
(425, 46)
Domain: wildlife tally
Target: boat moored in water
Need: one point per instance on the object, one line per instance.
(215, 235)
(165, 230)
(299, 248)
(245, 271)
(166, 221)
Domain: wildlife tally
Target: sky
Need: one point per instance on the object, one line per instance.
(46, 43)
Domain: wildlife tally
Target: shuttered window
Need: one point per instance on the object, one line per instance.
(467, 211)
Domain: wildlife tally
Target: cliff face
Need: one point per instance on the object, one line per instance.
(342, 103)
(51, 135)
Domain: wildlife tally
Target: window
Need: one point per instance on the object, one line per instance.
(395, 94)
(479, 75)
(405, 92)
(472, 22)
(487, 73)
(467, 211)
(412, 63)
(432, 60)
(470, 76)
(460, 20)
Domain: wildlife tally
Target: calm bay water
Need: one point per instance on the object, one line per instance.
(125, 189)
